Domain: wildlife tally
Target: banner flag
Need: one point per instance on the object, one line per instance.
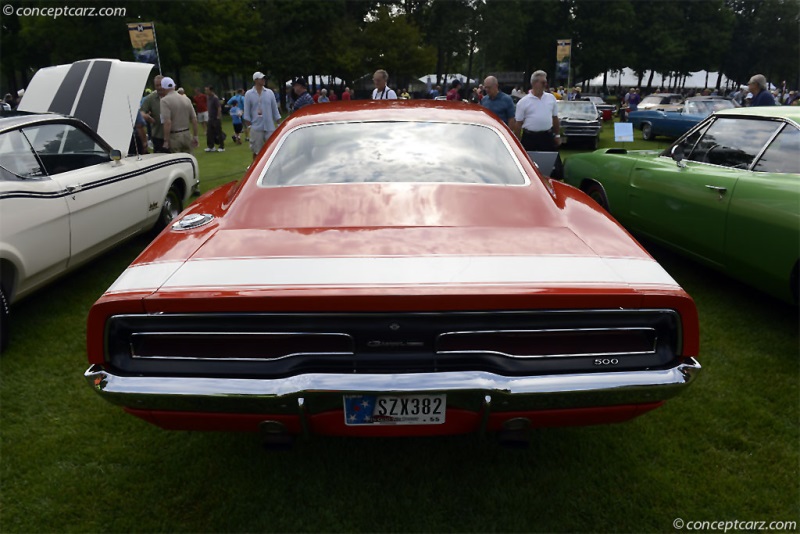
(563, 54)
(143, 40)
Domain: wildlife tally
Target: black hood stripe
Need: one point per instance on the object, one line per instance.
(68, 90)
(94, 91)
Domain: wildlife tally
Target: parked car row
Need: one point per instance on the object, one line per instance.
(372, 274)
(675, 120)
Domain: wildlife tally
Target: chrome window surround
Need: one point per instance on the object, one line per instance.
(782, 123)
(525, 177)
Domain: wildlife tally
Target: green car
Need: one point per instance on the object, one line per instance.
(726, 193)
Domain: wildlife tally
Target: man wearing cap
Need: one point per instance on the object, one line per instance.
(300, 88)
(260, 112)
(151, 112)
(758, 86)
(381, 91)
(177, 114)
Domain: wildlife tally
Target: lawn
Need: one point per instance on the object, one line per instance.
(728, 449)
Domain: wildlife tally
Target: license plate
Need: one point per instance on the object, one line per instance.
(394, 409)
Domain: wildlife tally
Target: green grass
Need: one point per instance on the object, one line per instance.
(727, 449)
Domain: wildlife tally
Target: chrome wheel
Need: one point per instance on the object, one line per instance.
(171, 207)
(647, 132)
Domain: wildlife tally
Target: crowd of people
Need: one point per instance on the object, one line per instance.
(170, 121)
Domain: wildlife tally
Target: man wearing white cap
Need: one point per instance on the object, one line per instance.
(177, 114)
(260, 113)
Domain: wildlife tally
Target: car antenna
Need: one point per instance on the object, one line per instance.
(133, 129)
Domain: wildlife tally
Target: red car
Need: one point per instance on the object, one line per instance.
(392, 269)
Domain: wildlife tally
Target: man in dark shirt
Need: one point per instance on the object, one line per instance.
(303, 99)
(497, 101)
(758, 86)
(214, 134)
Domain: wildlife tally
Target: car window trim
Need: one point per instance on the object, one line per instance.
(262, 175)
(45, 175)
(766, 146)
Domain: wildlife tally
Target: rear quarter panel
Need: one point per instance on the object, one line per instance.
(762, 241)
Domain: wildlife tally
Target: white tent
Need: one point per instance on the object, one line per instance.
(627, 78)
(325, 80)
(447, 79)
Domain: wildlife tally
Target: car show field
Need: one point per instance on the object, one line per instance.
(725, 449)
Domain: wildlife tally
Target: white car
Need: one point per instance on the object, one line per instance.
(68, 195)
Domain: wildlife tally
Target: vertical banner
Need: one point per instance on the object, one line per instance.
(143, 40)
(563, 53)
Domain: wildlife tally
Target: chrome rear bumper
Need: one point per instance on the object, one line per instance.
(323, 392)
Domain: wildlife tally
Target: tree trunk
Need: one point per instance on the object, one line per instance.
(650, 81)
(719, 80)
(605, 82)
(706, 85)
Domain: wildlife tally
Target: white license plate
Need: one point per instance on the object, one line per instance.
(394, 409)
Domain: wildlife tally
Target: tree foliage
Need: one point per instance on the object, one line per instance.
(411, 38)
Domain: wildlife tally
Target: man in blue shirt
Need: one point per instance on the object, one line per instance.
(758, 86)
(498, 102)
(238, 97)
(260, 112)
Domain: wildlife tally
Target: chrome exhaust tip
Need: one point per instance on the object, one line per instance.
(516, 433)
(274, 436)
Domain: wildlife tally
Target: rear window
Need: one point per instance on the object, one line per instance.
(360, 152)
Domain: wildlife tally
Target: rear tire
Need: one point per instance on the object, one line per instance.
(597, 193)
(647, 132)
(171, 207)
(4, 314)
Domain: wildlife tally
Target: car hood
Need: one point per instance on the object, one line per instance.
(103, 93)
(296, 259)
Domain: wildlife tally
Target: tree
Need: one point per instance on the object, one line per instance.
(596, 46)
(394, 43)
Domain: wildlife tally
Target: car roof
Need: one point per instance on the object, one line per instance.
(771, 112)
(395, 110)
(10, 122)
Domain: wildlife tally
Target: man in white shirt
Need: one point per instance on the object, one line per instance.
(382, 91)
(260, 113)
(537, 119)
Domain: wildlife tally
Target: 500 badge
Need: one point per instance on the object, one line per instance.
(606, 361)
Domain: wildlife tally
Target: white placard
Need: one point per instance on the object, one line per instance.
(623, 132)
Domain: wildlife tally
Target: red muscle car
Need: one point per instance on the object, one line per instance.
(392, 269)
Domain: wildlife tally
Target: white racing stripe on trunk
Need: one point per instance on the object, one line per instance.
(372, 271)
(147, 277)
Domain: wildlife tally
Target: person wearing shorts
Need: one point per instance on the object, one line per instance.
(201, 103)
(260, 112)
(236, 118)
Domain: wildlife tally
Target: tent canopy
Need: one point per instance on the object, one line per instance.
(628, 78)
